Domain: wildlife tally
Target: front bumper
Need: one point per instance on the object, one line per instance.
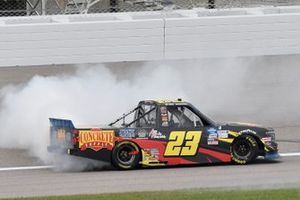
(271, 151)
(272, 156)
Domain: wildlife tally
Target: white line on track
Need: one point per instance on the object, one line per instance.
(25, 168)
(289, 154)
(49, 166)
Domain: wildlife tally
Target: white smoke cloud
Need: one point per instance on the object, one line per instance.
(257, 90)
(92, 96)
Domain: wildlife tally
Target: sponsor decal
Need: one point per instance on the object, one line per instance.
(151, 157)
(96, 139)
(248, 131)
(212, 139)
(127, 133)
(61, 134)
(267, 139)
(152, 153)
(212, 131)
(142, 134)
(222, 134)
(155, 134)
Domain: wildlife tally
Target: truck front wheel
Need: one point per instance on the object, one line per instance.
(244, 149)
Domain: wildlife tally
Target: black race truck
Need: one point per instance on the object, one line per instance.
(163, 133)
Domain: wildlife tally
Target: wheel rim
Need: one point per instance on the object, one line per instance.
(242, 148)
(125, 156)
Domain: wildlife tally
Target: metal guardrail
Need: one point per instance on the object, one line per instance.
(54, 7)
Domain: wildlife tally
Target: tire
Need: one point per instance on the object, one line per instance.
(244, 149)
(126, 155)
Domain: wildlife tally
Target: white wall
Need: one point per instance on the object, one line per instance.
(232, 36)
(64, 42)
(149, 36)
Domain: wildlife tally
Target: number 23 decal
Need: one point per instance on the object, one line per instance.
(177, 147)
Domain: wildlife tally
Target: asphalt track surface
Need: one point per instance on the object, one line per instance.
(22, 175)
(260, 175)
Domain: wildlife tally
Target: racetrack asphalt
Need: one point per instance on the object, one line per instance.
(260, 175)
(284, 173)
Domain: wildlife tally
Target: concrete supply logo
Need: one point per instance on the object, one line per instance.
(96, 139)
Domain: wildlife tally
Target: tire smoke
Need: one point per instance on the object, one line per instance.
(91, 97)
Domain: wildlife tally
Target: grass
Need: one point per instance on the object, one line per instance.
(278, 194)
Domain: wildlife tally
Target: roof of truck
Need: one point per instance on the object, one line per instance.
(165, 101)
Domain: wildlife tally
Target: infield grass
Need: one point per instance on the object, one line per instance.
(278, 194)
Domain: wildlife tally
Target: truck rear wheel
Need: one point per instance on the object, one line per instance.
(126, 155)
(244, 149)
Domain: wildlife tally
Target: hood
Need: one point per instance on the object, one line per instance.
(246, 127)
(245, 124)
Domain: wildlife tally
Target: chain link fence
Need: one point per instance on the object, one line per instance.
(54, 7)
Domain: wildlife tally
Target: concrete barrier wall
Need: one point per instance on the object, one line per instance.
(232, 36)
(149, 36)
(82, 41)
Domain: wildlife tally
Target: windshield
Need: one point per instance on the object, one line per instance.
(205, 119)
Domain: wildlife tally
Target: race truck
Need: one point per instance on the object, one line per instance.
(164, 133)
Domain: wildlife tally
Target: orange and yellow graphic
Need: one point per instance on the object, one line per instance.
(96, 139)
(61, 134)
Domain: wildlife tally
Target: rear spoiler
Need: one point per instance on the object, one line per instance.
(61, 123)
